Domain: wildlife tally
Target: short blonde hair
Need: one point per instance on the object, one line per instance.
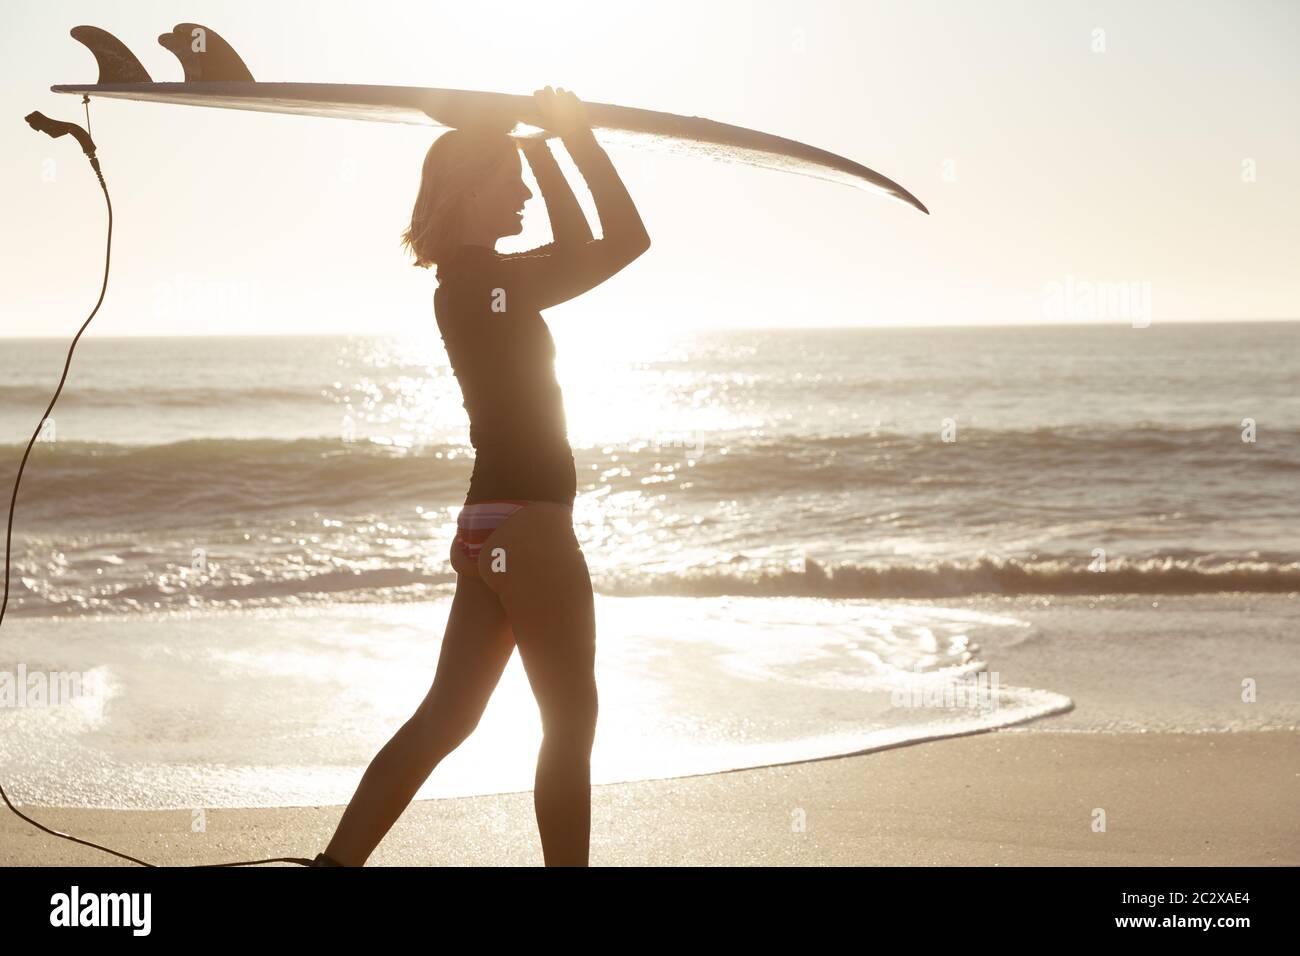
(458, 160)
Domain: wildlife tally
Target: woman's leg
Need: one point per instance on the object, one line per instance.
(475, 650)
(535, 565)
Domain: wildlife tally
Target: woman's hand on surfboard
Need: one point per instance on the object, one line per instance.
(561, 111)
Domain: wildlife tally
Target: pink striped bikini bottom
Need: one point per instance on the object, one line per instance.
(479, 520)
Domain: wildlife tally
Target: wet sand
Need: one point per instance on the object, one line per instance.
(1008, 798)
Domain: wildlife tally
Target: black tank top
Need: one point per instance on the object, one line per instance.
(503, 356)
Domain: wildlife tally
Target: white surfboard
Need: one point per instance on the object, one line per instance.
(215, 76)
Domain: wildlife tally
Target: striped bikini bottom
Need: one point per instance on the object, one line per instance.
(479, 520)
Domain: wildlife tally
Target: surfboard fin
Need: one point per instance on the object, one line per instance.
(117, 64)
(205, 56)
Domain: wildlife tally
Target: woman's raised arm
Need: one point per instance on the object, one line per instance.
(557, 273)
(568, 224)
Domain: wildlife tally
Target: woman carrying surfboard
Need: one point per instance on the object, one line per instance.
(522, 580)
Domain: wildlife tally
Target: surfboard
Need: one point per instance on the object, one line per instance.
(215, 76)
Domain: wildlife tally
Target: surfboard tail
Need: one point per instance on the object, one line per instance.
(117, 64)
(205, 56)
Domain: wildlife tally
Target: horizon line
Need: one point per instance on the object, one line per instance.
(704, 328)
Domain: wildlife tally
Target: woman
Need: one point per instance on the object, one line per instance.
(521, 576)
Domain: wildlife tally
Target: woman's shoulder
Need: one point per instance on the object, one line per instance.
(465, 263)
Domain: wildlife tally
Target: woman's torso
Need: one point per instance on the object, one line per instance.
(503, 356)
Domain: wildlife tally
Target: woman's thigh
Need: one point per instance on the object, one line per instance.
(476, 647)
(535, 566)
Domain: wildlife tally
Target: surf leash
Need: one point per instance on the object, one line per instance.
(55, 129)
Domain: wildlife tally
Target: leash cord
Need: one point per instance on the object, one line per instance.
(9, 532)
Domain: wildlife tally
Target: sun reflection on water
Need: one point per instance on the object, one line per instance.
(626, 392)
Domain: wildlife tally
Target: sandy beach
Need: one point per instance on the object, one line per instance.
(1226, 795)
(1007, 798)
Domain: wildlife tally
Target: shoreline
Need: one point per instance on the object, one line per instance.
(1013, 797)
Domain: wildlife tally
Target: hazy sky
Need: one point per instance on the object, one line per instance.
(1162, 152)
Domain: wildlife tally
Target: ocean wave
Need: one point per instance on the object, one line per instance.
(75, 395)
(983, 576)
(91, 484)
(195, 482)
(1076, 455)
(290, 584)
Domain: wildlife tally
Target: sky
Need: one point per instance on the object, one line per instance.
(1069, 152)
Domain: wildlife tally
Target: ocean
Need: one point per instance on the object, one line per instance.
(794, 536)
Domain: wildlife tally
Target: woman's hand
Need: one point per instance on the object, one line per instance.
(561, 111)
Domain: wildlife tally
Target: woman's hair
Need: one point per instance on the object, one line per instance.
(458, 161)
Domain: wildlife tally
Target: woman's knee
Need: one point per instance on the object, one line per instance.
(570, 721)
(440, 732)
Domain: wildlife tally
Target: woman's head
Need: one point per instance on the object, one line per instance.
(471, 192)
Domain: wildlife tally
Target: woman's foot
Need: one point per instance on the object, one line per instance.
(325, 860)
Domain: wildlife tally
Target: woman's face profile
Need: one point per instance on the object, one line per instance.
(496, 206)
